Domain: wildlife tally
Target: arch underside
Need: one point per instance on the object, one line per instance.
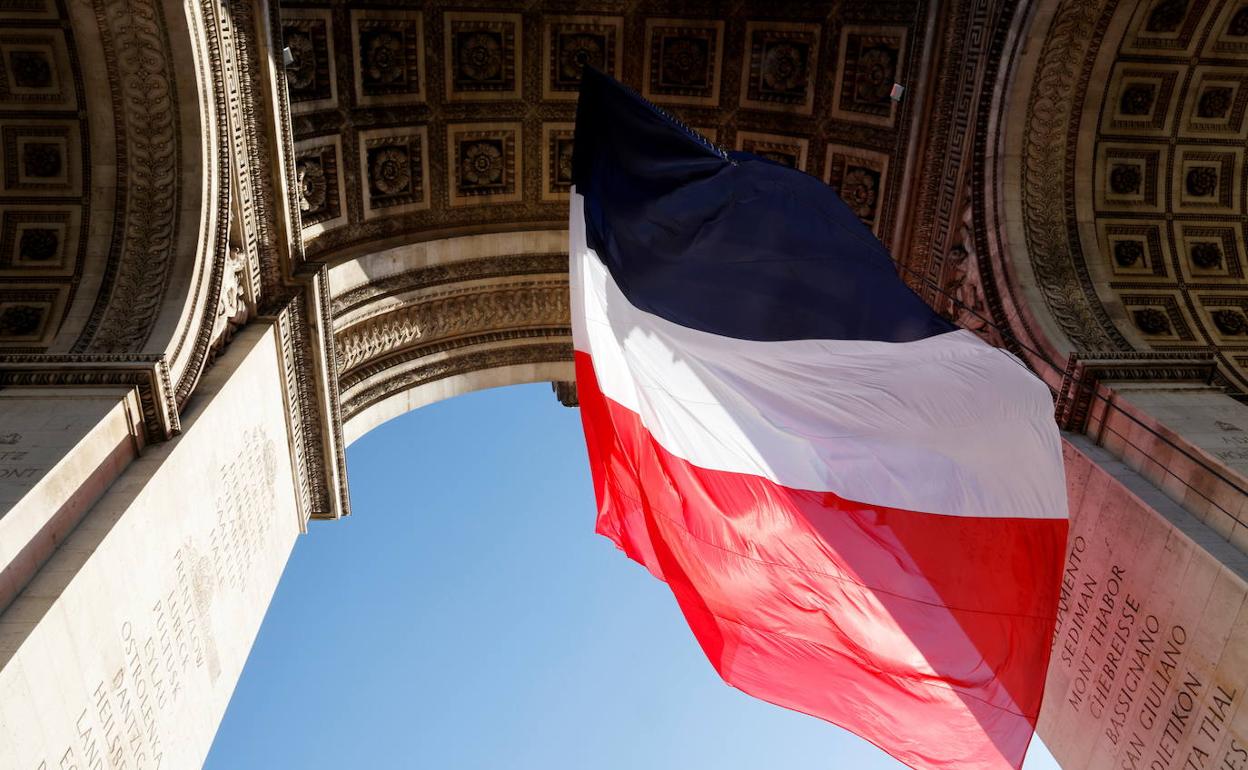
(432, 149)
(418, 323)
(1114, 192)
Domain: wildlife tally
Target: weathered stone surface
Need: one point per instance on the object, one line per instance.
(59, 451)
(124, 650)
(1150, 658)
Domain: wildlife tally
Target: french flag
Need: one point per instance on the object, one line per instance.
(860, 508)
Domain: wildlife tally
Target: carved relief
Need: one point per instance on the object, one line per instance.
(39, 240)
(461, 364)
(1207, 181)
(569, 43)
(1135, 249)
(1142, 98)
(311, 76)
(41, 157)
(515, 306)
(1159, 317)
(484, 163)
(1055, 254)
(870, 61)
(963, 288)
(482, 55)
(396, 165)
(1168, 184)
(1211, 250)
(557, 161)
(683, 60)
(149, 195)
(1165, 25)
(786, 150)
(24, 315)
(513, 265)
(389, 55)
(859, 176)
(320, 184)
(232, 310)
(781, 68)
(35, 70)
(482, 75)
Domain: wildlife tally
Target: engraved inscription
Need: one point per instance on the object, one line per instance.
(169, 651)
(15, 463)
(1132, 671)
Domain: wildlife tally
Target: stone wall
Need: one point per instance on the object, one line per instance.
(125, 648)
(1150, 658)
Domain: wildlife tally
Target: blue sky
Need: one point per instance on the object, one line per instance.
(465, 616)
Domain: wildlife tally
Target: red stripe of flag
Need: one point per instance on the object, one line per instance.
(822, 605)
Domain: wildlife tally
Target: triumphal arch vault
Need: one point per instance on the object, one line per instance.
(235, 236)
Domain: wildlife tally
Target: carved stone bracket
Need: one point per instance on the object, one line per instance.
(566, 393)
(148, 374)
(1087, 371)
(315, 412)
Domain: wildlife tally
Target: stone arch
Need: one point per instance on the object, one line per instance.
(180, 233)
(418, 323)
(1089, 227)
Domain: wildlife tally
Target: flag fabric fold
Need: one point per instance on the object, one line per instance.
(860, 508)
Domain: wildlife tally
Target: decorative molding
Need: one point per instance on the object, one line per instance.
(506, 266)
(307, 353)
(1085, 372)
(515, 305)
(1047, 175)
(376, 367)
(146, 112)
(218, 65)
(451, 366)
(148, 374)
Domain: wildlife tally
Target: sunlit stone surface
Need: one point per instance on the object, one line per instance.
(124, 650)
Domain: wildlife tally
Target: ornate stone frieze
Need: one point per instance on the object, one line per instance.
(148, 374)
(1048, 175)
(376, 368)
(975, 31)
(313, 402)
(1085, 372)
(451, 366)
(516, 305)
(148, 193)
(448, 273)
